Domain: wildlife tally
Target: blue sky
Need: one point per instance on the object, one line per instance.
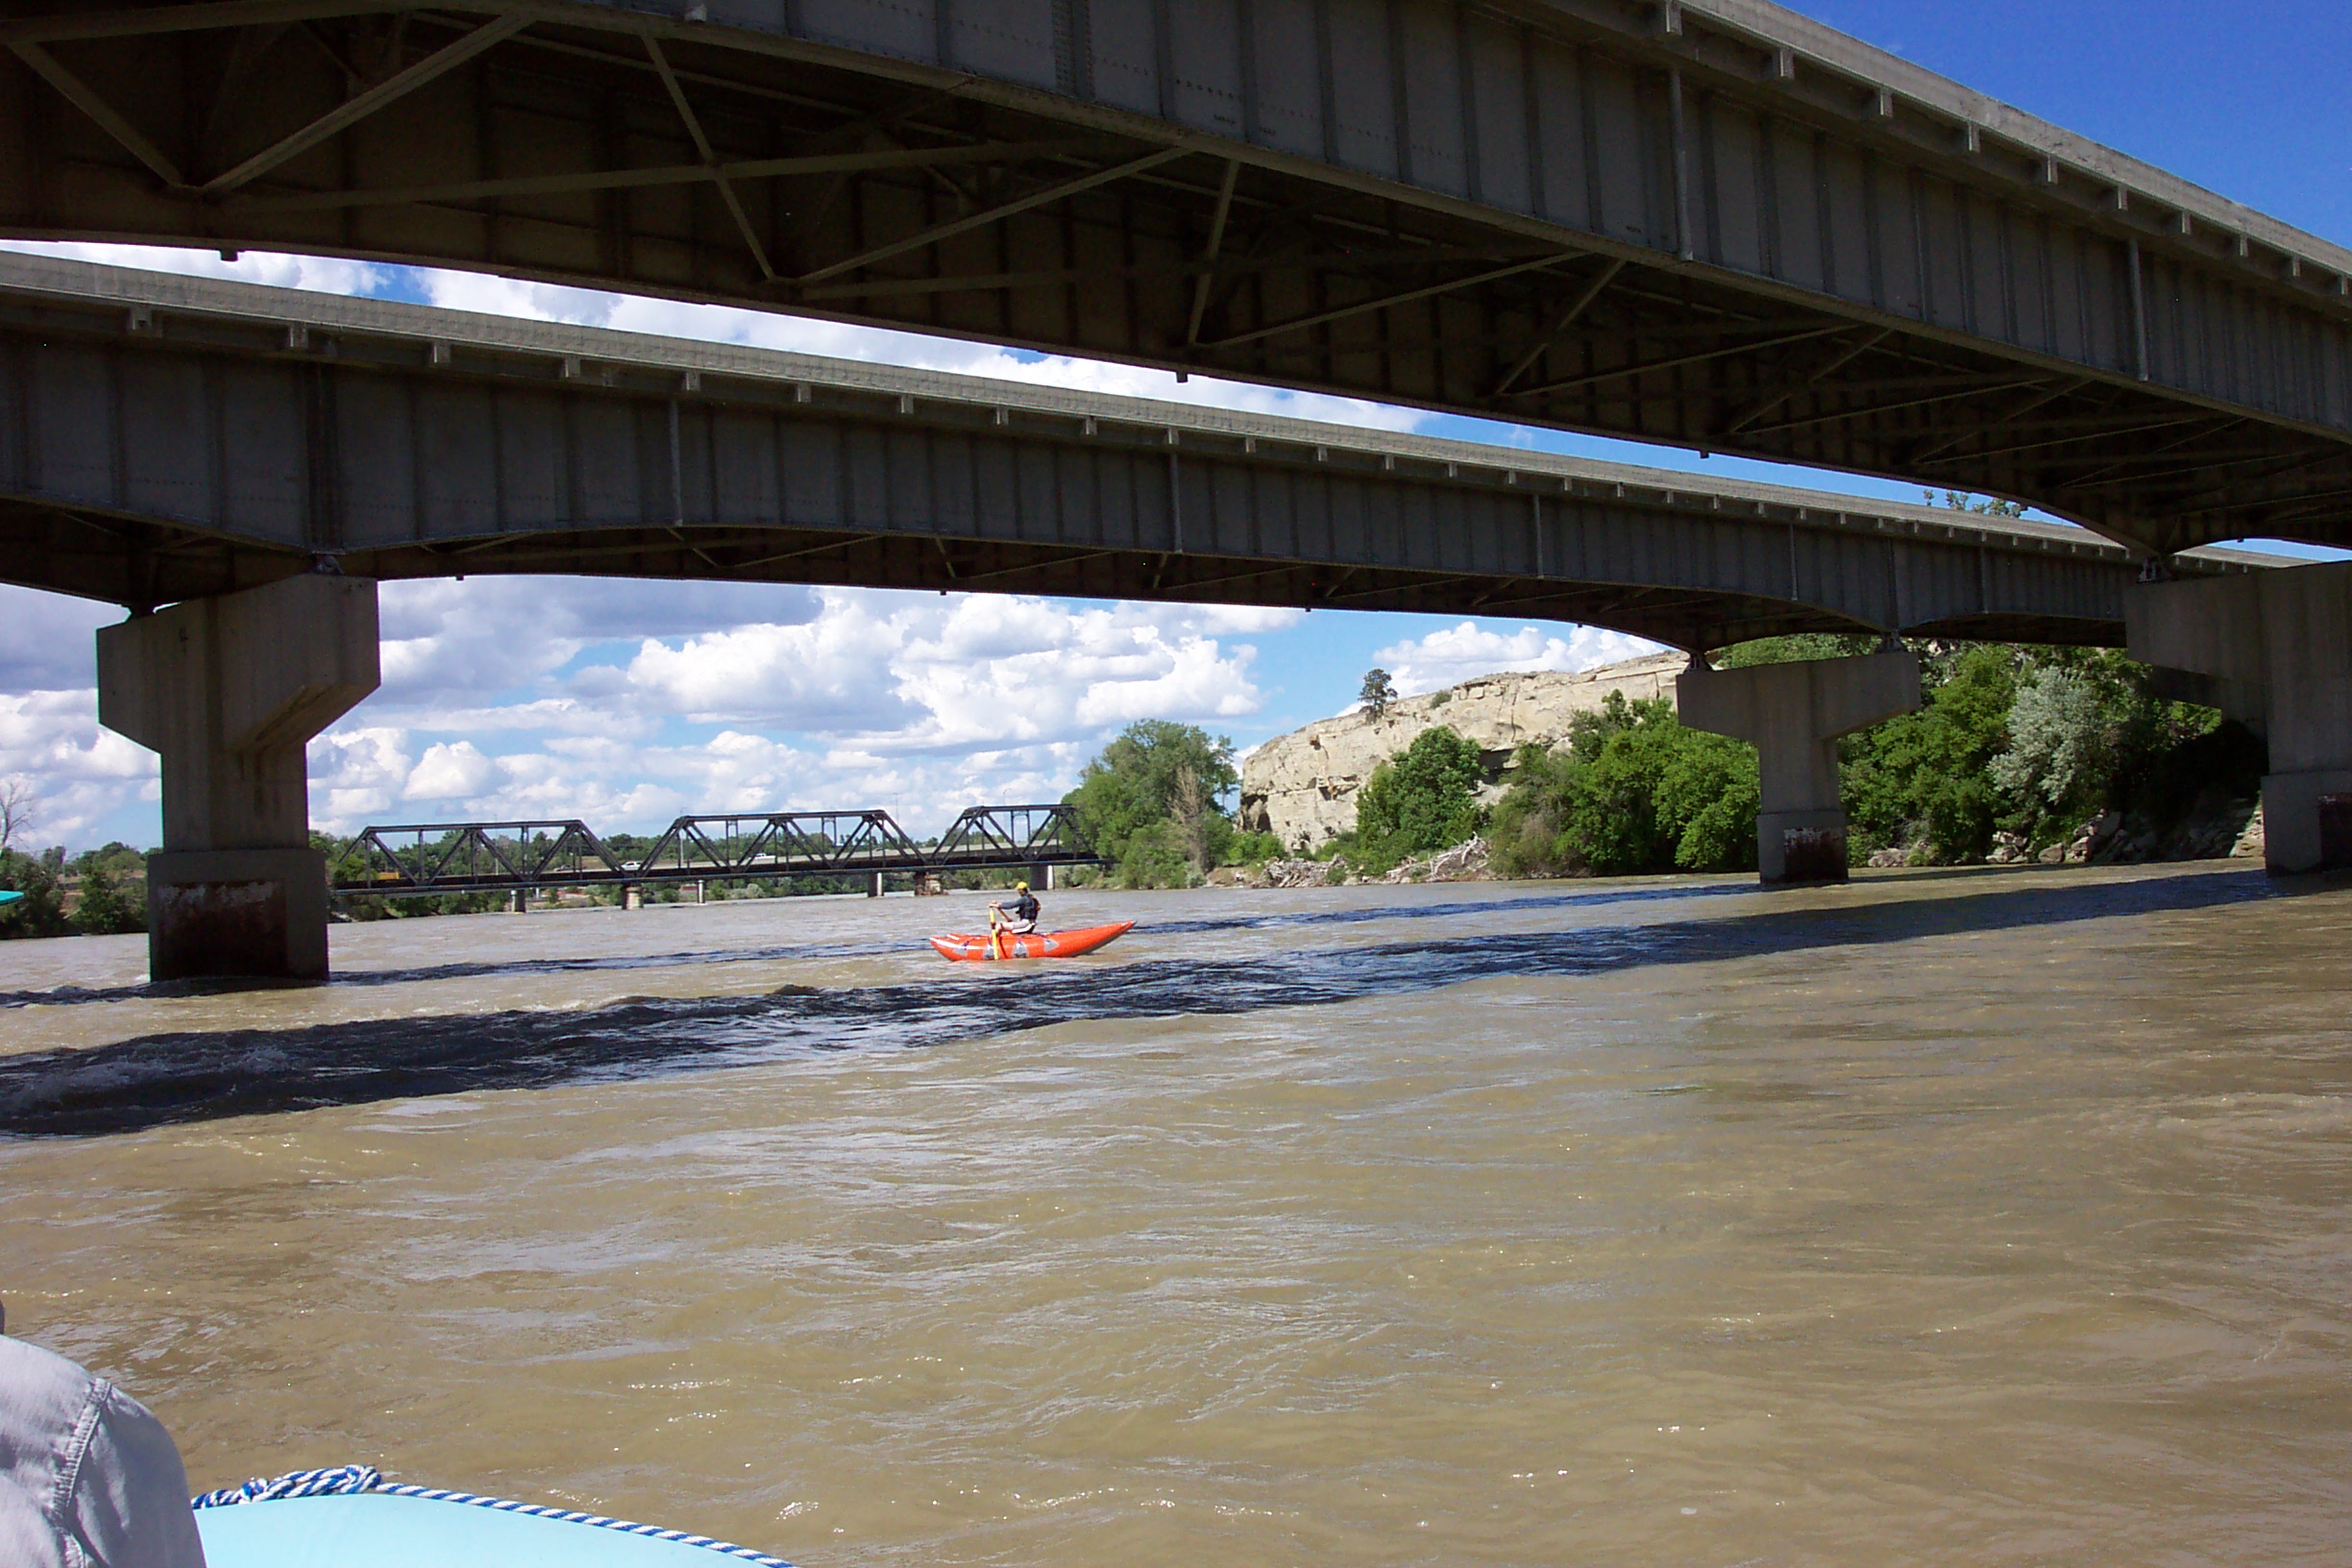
(625, 702)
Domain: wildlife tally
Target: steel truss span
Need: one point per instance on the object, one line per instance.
(163, 438)
(423, 859)
(1710, 223)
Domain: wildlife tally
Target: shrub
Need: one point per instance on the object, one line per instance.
(1423, 799)
(105, 909)
(1635, 792)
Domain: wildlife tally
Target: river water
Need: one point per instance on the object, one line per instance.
(1985, 1216)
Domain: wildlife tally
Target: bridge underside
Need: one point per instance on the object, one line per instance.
(86, 554)
(164, 440)
(1556, 215)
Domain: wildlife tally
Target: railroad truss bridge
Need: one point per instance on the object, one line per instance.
(418, 859)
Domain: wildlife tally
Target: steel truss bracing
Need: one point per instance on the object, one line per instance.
(1720, 227)
(164, 438)
(415, 860)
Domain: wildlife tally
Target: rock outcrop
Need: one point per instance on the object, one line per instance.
(1300, 787)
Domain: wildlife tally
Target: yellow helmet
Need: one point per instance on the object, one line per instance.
(1020, 886)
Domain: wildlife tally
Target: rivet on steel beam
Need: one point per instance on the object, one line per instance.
(297, 334)
(441, 353)
(691, 382)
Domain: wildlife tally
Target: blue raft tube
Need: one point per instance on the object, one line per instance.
(351, 1518)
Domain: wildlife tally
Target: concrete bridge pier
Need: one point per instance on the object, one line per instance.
(228, 690)
(2272, 649)
(1792, 714)
(1040, 878)
(873, 885)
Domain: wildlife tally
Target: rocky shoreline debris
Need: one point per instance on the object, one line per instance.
(1465, 862)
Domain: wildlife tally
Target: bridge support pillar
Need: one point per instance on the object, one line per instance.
(2274, 651)
(518, 902)
(632, 895)
(1041, 878)
(1793, 714)
(228, 690)
(873, 885)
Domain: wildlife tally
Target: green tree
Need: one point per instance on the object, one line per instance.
(1158, 790)
(1423, 799)
(105, 909)
(42, 911)
(1377, 692)
(1635, 791)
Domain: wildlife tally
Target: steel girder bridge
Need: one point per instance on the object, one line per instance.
(415, 860)
(166, 438)
(1711, 223)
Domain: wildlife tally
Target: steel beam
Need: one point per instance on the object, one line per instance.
(1746, 165)
(400, 441)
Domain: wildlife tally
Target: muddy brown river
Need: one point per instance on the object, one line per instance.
(1984, 1216)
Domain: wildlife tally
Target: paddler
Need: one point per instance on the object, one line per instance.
(1019, 918)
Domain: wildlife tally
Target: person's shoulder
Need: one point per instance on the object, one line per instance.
(37, 1380)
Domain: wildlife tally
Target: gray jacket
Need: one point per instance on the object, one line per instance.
(88, 1478)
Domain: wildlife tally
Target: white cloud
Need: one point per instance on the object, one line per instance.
(1456, 653)
(920, 703)
(451, 771)
(79, 773)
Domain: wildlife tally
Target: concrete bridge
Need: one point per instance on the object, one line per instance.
(1711, 223)
(258, 459)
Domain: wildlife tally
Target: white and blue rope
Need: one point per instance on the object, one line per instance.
(345, 1478)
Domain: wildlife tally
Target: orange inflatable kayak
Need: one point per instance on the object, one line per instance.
(1034, 944)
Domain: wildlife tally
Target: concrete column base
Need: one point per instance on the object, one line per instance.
(873, 886)
(1792, 714)
(1800, 846)
(2307, 822)
(632, 897)
(257, 913)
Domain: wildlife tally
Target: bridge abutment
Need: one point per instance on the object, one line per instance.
(228, 690)
(2274, 650)
(1793, 714)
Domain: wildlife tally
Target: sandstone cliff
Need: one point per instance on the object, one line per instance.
(1300, 787)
